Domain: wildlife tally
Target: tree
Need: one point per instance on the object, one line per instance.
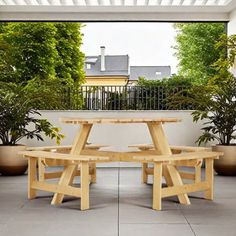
(41, 50)
(195, 49)
(70, 65)
(29, 51)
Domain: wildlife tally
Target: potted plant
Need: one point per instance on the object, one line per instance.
(215, 103)
(19, 119)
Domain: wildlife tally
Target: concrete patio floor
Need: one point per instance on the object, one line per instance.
(120, 205)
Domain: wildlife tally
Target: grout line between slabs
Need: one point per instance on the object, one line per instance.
(190, 226)
(118, 190)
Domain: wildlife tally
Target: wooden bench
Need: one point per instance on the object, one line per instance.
(63, 187)
(169, 160)
(196, 164)
(42, 163)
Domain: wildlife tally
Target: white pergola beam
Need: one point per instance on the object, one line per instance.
(231, 5)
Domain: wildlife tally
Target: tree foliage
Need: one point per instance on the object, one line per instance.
(215, 101)
(41, 50)
(195, 49)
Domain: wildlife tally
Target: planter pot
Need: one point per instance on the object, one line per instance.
(226, 165)
(11, 163)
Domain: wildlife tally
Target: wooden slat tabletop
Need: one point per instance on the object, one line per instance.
(77, 120)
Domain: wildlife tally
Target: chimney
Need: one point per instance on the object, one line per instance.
(103, 58)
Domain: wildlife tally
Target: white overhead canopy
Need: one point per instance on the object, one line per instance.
(117, 10)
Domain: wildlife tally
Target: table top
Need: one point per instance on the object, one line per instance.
(105, 120)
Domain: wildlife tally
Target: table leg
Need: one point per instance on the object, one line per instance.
(170, 173)
(69, 172)
(157, 186)
(84, 185)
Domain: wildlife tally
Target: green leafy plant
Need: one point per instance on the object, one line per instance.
(19, 119)
(215, 102)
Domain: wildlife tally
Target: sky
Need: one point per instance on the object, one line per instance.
(147, 44)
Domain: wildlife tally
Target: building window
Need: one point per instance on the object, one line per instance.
(88, 66)
(158, 74)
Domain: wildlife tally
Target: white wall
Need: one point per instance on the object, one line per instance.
(182, 133)
(232, 30)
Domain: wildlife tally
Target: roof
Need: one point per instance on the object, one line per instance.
(115, 65)
(114, 10)
(149, 72)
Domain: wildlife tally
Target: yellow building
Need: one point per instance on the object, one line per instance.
(106, 70)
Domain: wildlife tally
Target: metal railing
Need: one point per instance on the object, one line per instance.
(121, 98)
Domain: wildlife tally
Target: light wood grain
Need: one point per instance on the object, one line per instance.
(77, 120)
(157, 183)
(179, 157)
(31, 176)
(170, 173)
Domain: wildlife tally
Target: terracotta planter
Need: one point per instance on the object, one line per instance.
(226, 165)
(11, 163)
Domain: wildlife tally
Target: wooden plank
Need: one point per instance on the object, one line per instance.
(177, 182)
(171, 174)
(116, 156)
(32, 171)
(157, 186)
(55, 188)
(41, 169)
(187, 188)
(190, 163)
(179, 157)
(144, 173)
(66, 178)
(93, 172)
(65, 147)
(190, 148)
(77, 120)
(198, 173)
(53, 175)
(187, 175)
(149, 171)
(48, 148)
(159, 139)
(81, 139)
(84, 186)
(184, 175)
(173, 148)
(62, 156)
(209, 178)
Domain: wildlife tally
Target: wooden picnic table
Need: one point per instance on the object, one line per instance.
(160, 142)
(160, 154)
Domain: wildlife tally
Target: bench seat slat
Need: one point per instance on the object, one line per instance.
(179, 157)
(61, 156)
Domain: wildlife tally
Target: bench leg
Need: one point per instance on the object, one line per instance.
(198, 173)
(41, 170)
(84, 185)
(177, 181)
(144, 173)
(157, 186)
(66, 179)
(209, 177)
(94, 173)
(32, 176)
